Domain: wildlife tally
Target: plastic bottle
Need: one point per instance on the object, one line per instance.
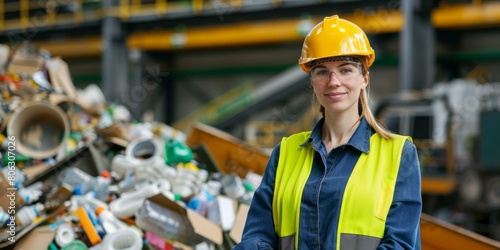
(80, 200)
(129, 203)
(93, 218)
(233, 186)
(101, 188)
(109, 221)
(32, 193)
(130, 184)
(247, 197)
(74, 176)
(27, 214)
(166, 132)
(201, 202)
(177, 152)
(126, 239)
(166, 223)
(121, 165)
(187, 181)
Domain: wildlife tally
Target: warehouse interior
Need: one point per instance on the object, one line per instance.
(231, 65)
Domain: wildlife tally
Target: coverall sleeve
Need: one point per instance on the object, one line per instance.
(258, 232)
(402, 229)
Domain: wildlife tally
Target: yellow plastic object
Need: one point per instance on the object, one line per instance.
(335, 37)
(88, 227)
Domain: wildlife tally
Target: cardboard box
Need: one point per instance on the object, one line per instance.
(25, 233)
(61, 78)
(5, 197)
(85, 158)
(38, 238)
(23, 62)
(239, 224)
(201, 225)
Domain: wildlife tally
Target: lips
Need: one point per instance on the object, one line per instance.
(335, 95)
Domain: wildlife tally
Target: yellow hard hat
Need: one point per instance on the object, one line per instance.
(335, 37)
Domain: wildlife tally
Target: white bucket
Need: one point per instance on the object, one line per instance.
(39, 129)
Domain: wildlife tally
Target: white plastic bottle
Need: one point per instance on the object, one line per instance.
(109, 221)
(129, 203)
(126, 239)
(27, 214)
(77, 201)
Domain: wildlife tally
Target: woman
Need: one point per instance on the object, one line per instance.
(348, 183)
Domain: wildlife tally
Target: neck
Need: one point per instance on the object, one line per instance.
(338, 128)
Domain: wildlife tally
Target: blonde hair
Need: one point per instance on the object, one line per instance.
(364, 107)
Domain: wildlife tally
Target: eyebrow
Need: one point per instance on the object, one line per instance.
(340, 65)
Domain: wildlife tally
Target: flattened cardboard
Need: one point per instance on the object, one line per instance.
(25, 64)
(5, 191)
(60, 77)
(239, 224)
(38, 238)
(201, 225)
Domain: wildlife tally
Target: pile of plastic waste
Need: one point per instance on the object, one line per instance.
(80, 173)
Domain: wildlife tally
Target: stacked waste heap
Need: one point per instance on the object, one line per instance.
(79, 173)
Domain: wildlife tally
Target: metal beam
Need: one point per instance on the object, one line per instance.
(114, 59)
(456, 16)
(417, 47)
(276, 89)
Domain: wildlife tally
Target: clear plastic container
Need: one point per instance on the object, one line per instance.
(233, 186)
(74, 176)
(101, 189)
(166, 223)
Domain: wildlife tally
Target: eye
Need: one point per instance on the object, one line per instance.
(346, 70)
(321, 72)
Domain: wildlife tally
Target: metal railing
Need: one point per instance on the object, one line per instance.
(25, 14)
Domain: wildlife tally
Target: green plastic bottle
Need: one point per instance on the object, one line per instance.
(177, 152)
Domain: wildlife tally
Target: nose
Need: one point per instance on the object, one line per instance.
(334, 80)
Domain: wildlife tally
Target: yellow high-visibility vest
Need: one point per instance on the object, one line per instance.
(367, 196)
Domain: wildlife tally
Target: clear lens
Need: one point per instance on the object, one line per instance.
(344, 73)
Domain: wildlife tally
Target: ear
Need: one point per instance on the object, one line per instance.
(366, 79)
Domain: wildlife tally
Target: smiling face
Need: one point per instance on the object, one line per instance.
(337, 85)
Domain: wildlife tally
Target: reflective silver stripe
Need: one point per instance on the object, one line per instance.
(358, 242)
(288, 242)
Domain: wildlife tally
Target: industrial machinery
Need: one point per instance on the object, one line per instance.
(455, 129)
